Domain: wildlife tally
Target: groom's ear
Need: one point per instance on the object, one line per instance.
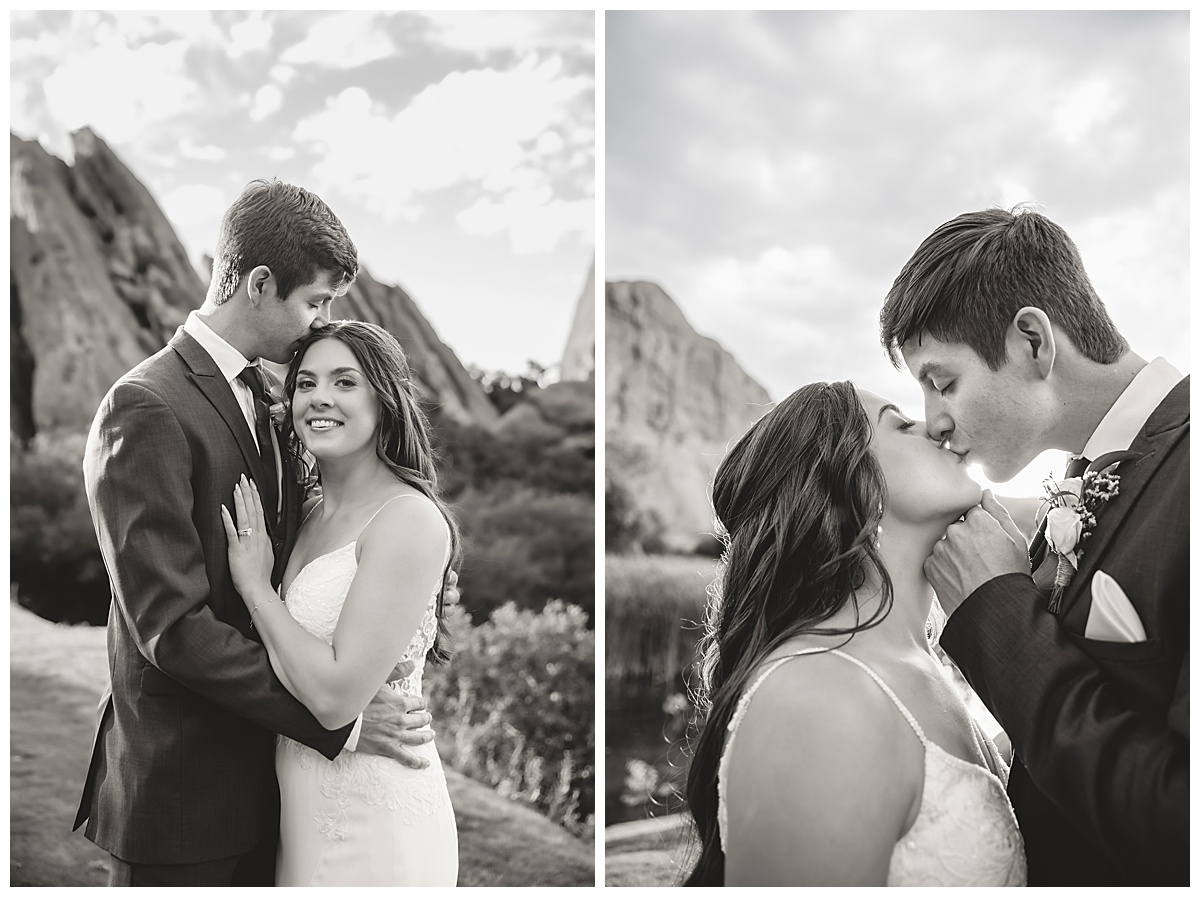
(1030, 341)
(259, 282)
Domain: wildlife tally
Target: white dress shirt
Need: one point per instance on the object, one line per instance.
(1132, 409)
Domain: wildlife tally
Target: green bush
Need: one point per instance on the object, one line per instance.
(55, 559)
(515, 707)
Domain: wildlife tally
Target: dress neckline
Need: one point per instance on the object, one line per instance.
(300, 572)
(320, 501)
(925, 740)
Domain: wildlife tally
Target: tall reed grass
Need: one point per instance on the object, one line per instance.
(654, 612)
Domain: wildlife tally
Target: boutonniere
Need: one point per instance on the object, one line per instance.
(277, 406)
(1069, 511)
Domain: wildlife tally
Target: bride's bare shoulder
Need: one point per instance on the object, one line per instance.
(817, 696)
(820, 779)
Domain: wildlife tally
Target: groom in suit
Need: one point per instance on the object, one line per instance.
(181, 786)
(996, 318)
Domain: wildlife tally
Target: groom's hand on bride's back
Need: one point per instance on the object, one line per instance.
(391, 723)
(451, 594)
(983, 545)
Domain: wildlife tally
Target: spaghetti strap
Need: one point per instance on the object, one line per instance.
(384, 505)
(912, 720)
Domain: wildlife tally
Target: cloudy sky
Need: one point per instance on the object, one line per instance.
(774, 171)
(458, 149)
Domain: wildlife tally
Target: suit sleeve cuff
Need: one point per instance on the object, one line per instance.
(352, 742)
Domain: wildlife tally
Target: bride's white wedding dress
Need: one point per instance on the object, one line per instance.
(965, 832)
(360, 819)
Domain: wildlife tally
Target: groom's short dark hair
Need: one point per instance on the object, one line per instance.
(969, 278)
(286, 228)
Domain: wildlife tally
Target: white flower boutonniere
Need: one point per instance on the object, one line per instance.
(277, 406)
(1069, 512)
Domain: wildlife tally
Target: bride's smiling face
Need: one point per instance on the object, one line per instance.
(925, 482)
(334, 409)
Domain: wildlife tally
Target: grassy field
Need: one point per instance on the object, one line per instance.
(646, 854)
(57, 676)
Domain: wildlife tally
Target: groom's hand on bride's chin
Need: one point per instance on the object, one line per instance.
(392, 723)
(985, 544)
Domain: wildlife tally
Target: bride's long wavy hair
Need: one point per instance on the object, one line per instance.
(402, 440)
(797, 502)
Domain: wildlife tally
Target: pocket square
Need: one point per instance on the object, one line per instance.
(1112, 617)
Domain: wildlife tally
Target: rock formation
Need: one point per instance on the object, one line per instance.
(99, 281)
(579, 356)
(673, 402)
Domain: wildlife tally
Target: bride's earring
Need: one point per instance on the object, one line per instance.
(879, 528)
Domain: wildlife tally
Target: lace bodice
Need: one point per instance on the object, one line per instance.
(314, 599)
(965, 832)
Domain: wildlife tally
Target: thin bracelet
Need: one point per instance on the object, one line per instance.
(260, 604)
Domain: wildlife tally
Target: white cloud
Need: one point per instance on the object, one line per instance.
(534, 220)
(480, 31)
(134, 28)
(45, 47)
(344, 40)
(123, 93)
(251, 34)
(282, 74)
(267, 100)
(281, 153)
(195, 211)
(776, 278)
(190, 150)
(480, 127)
(1085, 107)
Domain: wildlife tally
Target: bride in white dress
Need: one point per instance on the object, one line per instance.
(836, 750)
(361, 594)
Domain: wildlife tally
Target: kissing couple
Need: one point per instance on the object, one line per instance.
(263, 722)
(836, 751)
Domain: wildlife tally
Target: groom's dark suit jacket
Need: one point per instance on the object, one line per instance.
(182, 765)
(1100, 729)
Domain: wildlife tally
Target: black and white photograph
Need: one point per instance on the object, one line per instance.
(302, 448)
(896, 452)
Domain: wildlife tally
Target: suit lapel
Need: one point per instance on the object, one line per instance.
(203, 371)
(1162, 430)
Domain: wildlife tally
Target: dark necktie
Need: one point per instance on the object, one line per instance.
(268, 486)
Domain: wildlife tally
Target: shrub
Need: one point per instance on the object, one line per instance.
(527, 514)
(628, 528)
(515, 707)
(525, 546)
(55, 559)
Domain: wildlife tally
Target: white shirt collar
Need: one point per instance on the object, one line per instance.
(229, 360)
(1132, 409)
